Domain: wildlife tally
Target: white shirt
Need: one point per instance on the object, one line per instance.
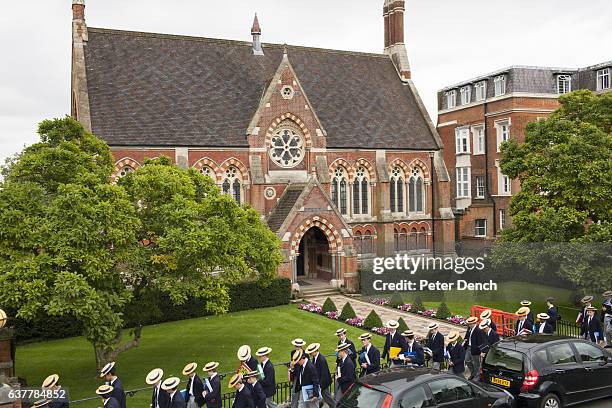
(191, 386)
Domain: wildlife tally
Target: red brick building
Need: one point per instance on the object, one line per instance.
(333, 148)
(477, 115)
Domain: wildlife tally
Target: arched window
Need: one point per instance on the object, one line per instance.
(422, 238)
(396, 239)
(413, 239)
(207, 171)
(396, 192)
(124, 171)
(339, 190)
(368, 242)
(360, 191)
(231, 184)
(416, 192)
(358, 242)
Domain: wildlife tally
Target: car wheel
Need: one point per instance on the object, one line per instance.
(551, 401)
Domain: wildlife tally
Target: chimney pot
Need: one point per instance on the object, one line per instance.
(78, 10)
(256, 33)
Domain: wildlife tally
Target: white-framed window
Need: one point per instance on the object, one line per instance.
(506, 185)
(451, 99)
(564, 84)
(361, 191)
(480, 187)
(416, 192)
(462, 140)
(232, 183)
(603, 79)
(503, 132)
(481, 90)
(480, 227)
(502, 219)
(466, 94)
(463, 182)
(396, 190)
(478, 139)
(500, 85)
(339, 190)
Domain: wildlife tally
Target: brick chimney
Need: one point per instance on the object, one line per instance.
(79, 97)
(256, 33)
(393, 12)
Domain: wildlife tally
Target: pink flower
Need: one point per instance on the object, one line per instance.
(355, 321)
(379, 301)
(332, 315)
(405, 307)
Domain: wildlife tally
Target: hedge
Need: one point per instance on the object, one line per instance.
(243, 296)
(396, 300)
(347, 312)
(373, 320)
(329, 306)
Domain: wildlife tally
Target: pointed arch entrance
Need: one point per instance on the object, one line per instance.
(314, 258)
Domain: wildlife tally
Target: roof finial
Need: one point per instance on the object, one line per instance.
(255, 29)
(256, 33)
(285, 49)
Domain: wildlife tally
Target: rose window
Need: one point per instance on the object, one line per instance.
(287, 148)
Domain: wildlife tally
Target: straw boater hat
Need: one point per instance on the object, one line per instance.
(587, 299)
(408, 333)
(484, 323)
(591, 308)
(452, 336)
(297, 356)
(170, 383)
(251, 374)
(523, 311)
(41, 403)
(525, 303)
(263, 351)
(244, 353)
(392, 324)
(313, 348)
(154, 376)
(2, 318)
(107, 369)
(543, 316)
(234, 380)
(298, 342)
(472, 320)
(365, 336)
(607, 294)
(486, 314)
(190, 368)
(340, 331)
(50, 381)
(210, 366)
(104, 390)
(432, 326)
(343, 346)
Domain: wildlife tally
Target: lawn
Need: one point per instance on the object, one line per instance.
(172, 345)
(506, 298)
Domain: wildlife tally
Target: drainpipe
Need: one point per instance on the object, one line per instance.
(433, 207)
(489, 187)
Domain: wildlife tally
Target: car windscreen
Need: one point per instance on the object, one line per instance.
(504, 358)
(362, 396)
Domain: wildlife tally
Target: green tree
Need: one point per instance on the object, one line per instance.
(347, 312)
(443, 311)
(329, 306)
(372, 320)
(402, 325)
(396, 300)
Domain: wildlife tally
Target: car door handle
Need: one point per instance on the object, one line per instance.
(588, 368)
(558, 370)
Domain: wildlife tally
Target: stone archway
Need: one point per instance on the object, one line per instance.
(314, 259)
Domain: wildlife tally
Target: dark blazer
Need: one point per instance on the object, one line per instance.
(353, 353)
(159, 397)
(259, 396)
(477, 342)
(374, 357)
(177, 400)
(213, 398)
(436, 344)
(457, 357)
(118, 393)
(111, 402)
(323, 373)
(492, 337)
(347, 374)
(418, 349)
(243, 399)
(252, 363)
(527, 324)
(396, 341)
(269, 381)
(307, 375)
(493, 325)
(198, 387)
(548, 329)
(588, 330)
(554, 316)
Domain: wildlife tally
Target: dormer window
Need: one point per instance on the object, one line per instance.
(451, 99)
(500, 85)
(603, 79)
(466, 95)
(564, 84)
(481, 90)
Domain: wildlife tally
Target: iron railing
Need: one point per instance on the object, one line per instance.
(568, 328)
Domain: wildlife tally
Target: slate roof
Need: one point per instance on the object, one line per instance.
(165, 90)
(284, 206)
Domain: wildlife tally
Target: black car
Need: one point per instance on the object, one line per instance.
(408, 387)
(549, 371)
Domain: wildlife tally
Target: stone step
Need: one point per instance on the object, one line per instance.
(319, 292)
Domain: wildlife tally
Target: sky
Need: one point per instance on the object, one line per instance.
(447, 40)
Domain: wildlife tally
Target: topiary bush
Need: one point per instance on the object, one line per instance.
(373, 320)
(443, 311)
(402, 325)
(347, 312)
(396, 300)
(329, 306)
(417, 305)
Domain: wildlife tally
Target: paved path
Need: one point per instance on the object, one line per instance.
(416, 323)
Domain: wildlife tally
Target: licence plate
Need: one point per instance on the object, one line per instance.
(500, 381)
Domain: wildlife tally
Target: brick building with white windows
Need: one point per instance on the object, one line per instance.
(477, 115)
(333, 148)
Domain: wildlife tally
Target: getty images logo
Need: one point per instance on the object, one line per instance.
(412, 264)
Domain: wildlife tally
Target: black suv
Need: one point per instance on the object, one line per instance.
(549, 371)
(408, 387)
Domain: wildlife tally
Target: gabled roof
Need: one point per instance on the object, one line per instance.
(165, 90)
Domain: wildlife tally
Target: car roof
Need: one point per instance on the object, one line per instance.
(392, 379)
(527, 342)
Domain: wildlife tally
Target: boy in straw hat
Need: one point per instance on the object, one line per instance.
(492, 336)
(345, 373)
(298, 345)
(341, 333)
(435, 342)
(544, 326)
(527, 304)
(195, 387)
(591, 327)
(52, 383)
(393, 340)
(243, 397)
(159, 399)
(257, 392)
(474, 343)
(105, 392)
(553, 314)
(176, 400)
(212, 385)
(455, 354)
(109, 374)
(606, 318)
(413, 353)
(245, 357)
(369, 356)
(486, 314)
(586, 302)
(523, 325)
(307, 381)
(269, 375)
(325, 380)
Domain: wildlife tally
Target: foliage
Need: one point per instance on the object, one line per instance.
(329, 306)
(417, 305)
(347, 312)
(402, 325)
(396, 300)
(372, 320)
(443, 311)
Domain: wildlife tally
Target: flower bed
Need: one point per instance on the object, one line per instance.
(355, 321)
(431, 313)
